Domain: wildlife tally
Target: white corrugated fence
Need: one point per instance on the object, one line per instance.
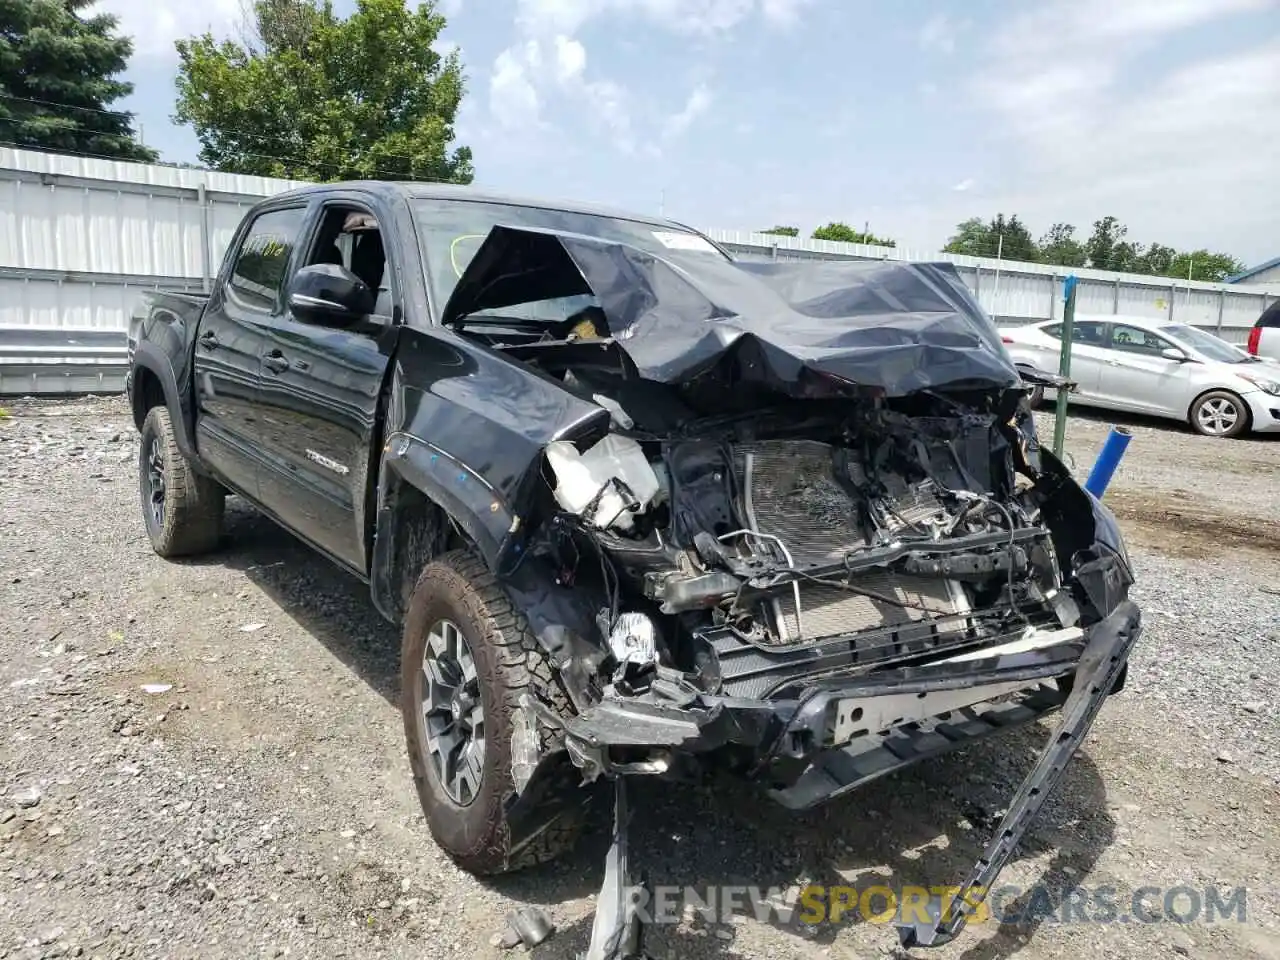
(80, 237)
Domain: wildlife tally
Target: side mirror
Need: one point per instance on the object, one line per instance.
(1174, 354)
(329, 294)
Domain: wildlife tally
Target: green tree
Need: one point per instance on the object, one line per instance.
(59, 67)
(1060, 247)
(1101, 245)
(1157, 260)
(1203, 265)
(1127, 257)
(843, 233)
(783, 231)
(971, 239)
(1011, 239)
(313, 96)
(1007, 237)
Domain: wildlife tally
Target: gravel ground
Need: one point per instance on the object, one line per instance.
(205, 759)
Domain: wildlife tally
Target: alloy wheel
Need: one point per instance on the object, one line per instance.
(1217, 415)
(155, 482)
(452, 712)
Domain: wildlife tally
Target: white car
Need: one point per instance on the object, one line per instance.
(1159, 368)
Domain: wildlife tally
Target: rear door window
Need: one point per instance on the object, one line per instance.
(1089, 332)
(263, 258)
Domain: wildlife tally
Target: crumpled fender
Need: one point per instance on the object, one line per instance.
(468, 427)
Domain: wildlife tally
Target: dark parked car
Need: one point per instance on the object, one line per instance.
(641, 509)
(1264, 337)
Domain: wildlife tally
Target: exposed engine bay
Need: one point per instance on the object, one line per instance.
(757, 566)
(890, 523)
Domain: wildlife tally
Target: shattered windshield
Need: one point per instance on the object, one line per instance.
(451, 232)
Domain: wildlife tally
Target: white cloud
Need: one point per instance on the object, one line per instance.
(548, 60)
(513, 101)
(608, 104)
(965, 184)
(938, 35)
(155, 26)
(699, 102)
(782, 12)
(1169, 149)
(571, 59)
(547, 17)
(450, 8)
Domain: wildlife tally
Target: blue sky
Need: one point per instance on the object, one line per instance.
(909, 115)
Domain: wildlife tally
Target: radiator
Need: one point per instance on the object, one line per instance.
(790, 492)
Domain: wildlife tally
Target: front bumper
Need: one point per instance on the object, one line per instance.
(844, 732)
(1264, 409)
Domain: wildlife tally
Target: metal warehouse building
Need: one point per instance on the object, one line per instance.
(1263, 275)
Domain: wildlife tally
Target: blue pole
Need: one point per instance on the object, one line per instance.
(1105, 466)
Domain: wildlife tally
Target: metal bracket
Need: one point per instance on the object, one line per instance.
(616, 931)
(1105, 655)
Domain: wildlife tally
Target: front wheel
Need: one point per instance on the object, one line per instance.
(1219, 413)
(181, 508)
(466, 658)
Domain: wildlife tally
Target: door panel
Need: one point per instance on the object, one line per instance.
(1136, 377)
(319, 397)
(1087, 356)
(319, 407)
(229, 345)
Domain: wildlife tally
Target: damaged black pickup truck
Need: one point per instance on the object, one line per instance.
(641, 508)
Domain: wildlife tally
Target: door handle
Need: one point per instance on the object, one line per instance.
(209, 340)
(276, 362)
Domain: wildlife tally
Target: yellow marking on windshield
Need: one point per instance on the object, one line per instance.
(453, 250)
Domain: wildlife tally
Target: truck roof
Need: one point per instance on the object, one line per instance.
(419, 190)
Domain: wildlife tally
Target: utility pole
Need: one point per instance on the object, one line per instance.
(1064, 365)
(995, 290)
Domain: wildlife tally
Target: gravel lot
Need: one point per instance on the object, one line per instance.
(259, 803)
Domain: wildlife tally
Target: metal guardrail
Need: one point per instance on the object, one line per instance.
(53, 361)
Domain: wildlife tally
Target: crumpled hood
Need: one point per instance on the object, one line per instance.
(801, 328)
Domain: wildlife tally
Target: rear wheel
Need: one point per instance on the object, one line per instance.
(467, 656)
(182, 509)
(1219, 413)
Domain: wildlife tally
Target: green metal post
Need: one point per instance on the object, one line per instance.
(1064, 367)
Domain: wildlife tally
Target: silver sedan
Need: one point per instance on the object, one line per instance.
(1159, 368)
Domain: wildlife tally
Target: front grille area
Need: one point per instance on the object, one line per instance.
(791, 493)
(830, 610)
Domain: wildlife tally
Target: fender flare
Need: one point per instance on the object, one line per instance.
(456, 492)
(561, 618)
(147, 356)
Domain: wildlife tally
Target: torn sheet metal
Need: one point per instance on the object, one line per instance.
(810, 329)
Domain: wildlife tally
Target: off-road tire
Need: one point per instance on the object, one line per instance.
(1241, 424)
(193, 503)
(459, 587)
